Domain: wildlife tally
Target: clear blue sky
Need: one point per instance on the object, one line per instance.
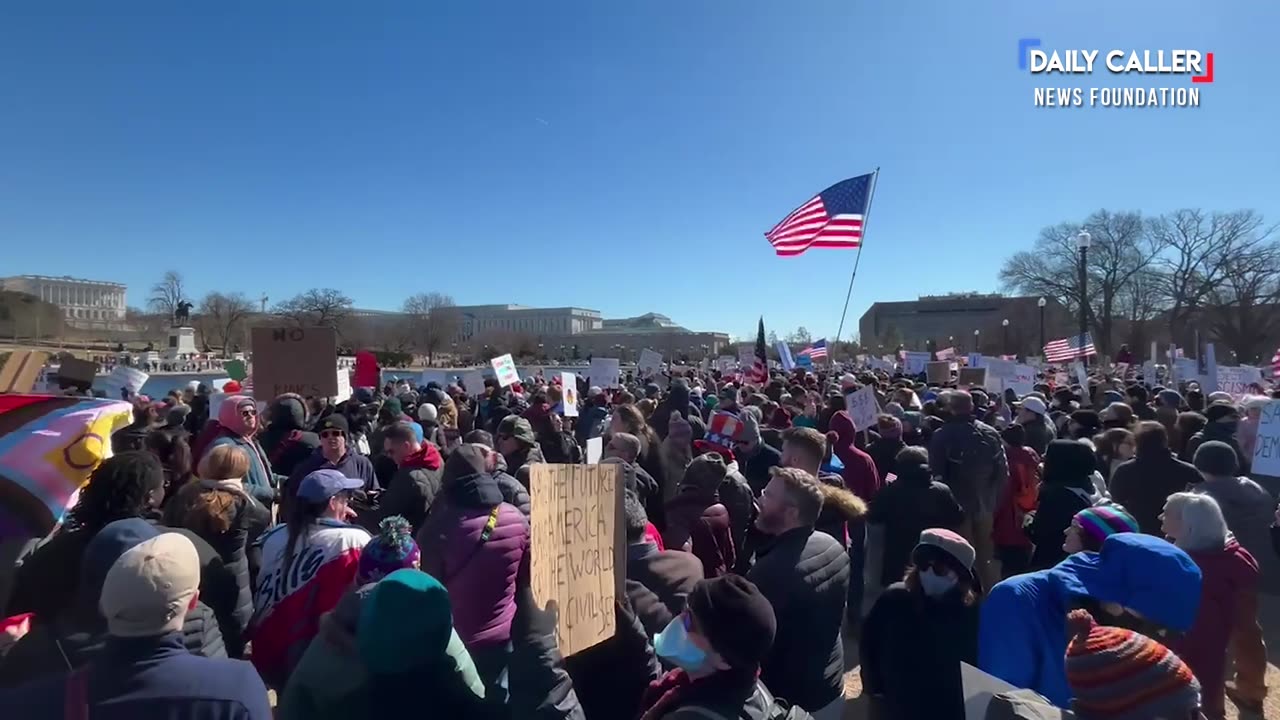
(619, 156)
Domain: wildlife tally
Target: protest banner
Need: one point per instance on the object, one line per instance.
(294, 360)
(504, 369)
(804, 361)
(473, 381)
(913, 363)
(1188, 370)
(21, 371)
(605, 373)
(577, 549)
(650, 362)
(862, 407)
(51, 445)
(937, 372)
(569, 390)
(972, 377)
(1266, 448)
(121, 379)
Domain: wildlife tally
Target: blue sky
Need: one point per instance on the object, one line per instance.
(620, 156)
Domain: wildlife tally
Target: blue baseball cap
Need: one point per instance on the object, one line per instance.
(320, 485)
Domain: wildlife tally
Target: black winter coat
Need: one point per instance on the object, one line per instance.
(659, 582)
(885, 454)
(1057, 506)
(911, 649)
(906, 507)
(1143, 484)
(805, 575)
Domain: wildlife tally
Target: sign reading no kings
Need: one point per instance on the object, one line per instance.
(575, 538)
(294, 360)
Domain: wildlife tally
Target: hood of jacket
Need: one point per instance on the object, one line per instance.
(229, 417)
(470, 477)
(288, 412)
(918, 474)
(838, 500)
(842, 425)
(1070, 463)
(1140, 572)
(427, 457)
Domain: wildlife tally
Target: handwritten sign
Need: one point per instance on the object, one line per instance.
(972, 377)
(294, 360)
(605, 372)
(504, 369)
(938, 372)
(569, 388)
(862, 407)
(124, 378)
(1023, 380)
(1266, 449)
(344, 385)
(650, 362)
(577, 552)
(22, 370)
(1240, 381)
(914, 363)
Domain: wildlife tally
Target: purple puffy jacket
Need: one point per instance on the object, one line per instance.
(473, 542)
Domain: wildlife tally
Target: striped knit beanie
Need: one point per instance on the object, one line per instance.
(390, 550)
(1119, 674)
(1102, 521)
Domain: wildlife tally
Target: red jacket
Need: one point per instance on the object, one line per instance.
(1018, 498)
(859, 473)
(1227, 574)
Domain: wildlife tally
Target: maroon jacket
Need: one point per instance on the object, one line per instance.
(860, 474)
(1227, 574)
(695, 518)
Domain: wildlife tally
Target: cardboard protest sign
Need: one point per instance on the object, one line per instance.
(972, 377)
(1266, 448)
(294, 360)
(605, 372)
(650, 362)
(235, 370)
(913, 363)
(73, 372)
(938, 372)
(569, 389)
(577, 549)
(504, 369)
(474, 382)
(124, 378)
(862, 407)
(21, 371)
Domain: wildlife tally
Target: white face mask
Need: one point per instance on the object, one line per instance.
(935, 585)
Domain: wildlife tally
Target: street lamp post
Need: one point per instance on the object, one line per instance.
(1082, 242)
(1005, 329)
(1041, 303)
(976, 345)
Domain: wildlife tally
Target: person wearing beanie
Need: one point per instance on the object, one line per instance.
(1247, 506)
(514, 438)
(884, 450)
(697, 521)
(1142, 484)
(287, 438)
(717, 646)
(1227, 619)
(1223, 426)
(428, 418)
(920, 630)
(391, 549)
(143, 668)
(1135, 581)
(1119, 674)
(239, 425)
(335, 453)
(1092, 526)
(1066, 488)
(805, 574)
(473, 541)
(968, 455)
(755, 457)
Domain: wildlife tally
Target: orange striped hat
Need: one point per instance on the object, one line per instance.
(1119, 674)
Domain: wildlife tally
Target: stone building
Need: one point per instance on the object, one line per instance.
(84, 303)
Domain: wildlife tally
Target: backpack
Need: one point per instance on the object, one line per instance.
(777, 709)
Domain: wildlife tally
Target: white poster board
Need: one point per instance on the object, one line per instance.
(726, 364)
(474, 380)
(1266, 449)
(504, 368)
(862, 407)
(595, 450)
(1149, 374)
(650, 362)
(569, 389)
(344, 385)
(1236, 380)
(1023, 380)
(605, 373)
(215, 402)
(914, 362)
(999, 372)
(124, 378)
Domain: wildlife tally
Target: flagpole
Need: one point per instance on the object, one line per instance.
(866, 219)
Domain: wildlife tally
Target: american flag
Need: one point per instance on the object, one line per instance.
(832, 219)
(760, 368)
(816, 350)
(1275, 364)
(946, 353)
(1069, 348)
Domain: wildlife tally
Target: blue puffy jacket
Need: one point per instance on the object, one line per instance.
(1023, 636)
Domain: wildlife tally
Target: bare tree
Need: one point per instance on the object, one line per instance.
(801, 336)
(166, 294)
(317, 307)
(434, 320)
(1198, 248)
(221, 318)
(1242, 306)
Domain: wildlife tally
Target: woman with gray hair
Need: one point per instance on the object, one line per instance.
(1228, 595)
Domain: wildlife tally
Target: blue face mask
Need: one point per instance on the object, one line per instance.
(673, 644)
(935, 585)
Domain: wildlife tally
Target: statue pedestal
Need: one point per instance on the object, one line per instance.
(182, 342)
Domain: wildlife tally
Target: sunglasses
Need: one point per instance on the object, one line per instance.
(330, 433)
(248, 412)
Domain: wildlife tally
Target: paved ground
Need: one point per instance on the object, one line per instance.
(856, 709)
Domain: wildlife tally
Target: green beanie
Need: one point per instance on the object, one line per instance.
(404, 624)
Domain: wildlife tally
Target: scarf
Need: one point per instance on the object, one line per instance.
(677, 689)
(233, 485)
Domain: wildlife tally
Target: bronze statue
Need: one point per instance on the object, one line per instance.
(182, 313)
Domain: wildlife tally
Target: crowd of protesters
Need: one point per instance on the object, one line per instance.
(1101, 546)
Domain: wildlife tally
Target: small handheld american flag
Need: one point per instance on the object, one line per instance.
(832, 219)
